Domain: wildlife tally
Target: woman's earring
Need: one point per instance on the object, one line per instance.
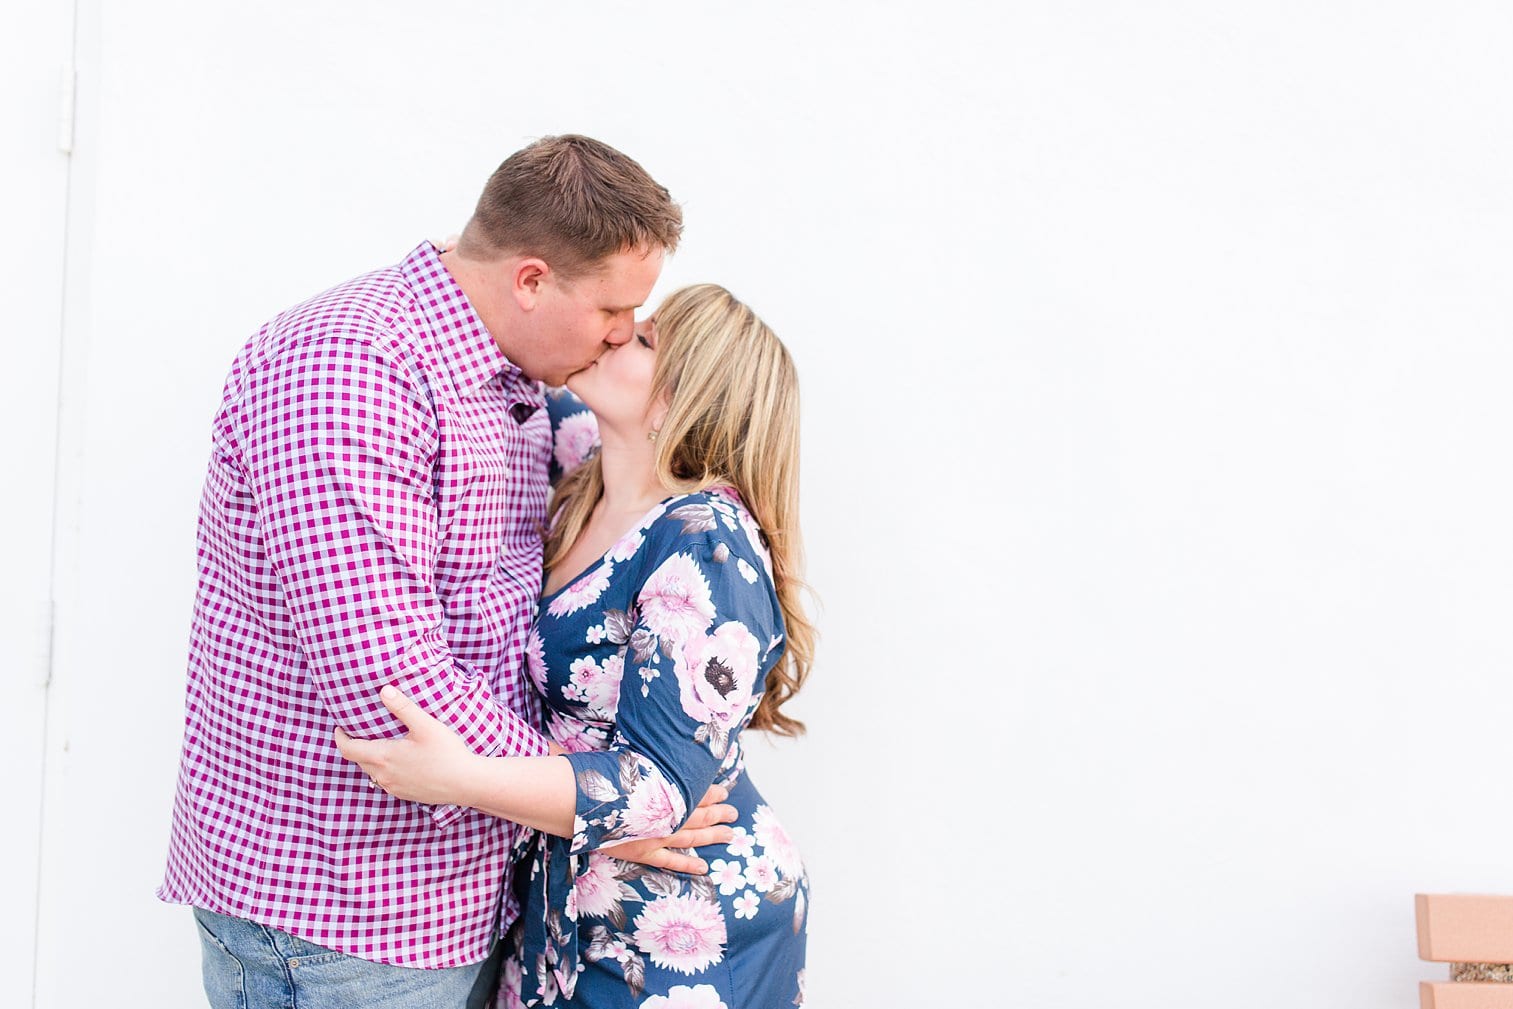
(651, 435)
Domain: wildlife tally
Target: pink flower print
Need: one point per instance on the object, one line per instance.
(726, 496)
(595, 685)
(607, 699)
(762, 873)
(723, 492)
(625, 548)
(582, 592)
(747, 571)
(577, 437)
(657, 511)
(723, 509)
(740, 843)
(726, 875)
(535, 660)
(675, 600)
(597, 889)
(716, 674)
(572, 690)
(509, 984)
(685, 934)
(575, 736)
(747, 905)
(772, 837)
(753, 535)
(653, 808)
(703, 996)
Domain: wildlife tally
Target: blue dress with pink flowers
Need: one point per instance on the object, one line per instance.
(651, 664)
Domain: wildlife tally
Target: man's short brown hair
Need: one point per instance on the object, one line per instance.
(573, 201)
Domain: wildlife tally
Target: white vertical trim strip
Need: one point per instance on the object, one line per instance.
(66, 143)
(68, 82)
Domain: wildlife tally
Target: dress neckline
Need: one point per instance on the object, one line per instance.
(598, 562)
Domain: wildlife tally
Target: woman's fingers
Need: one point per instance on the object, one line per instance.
(676, 861)
(714, 794)
(698, 837)
(355, 750)
(362, 752)
(658, 854)
(708, 816)
(401, 707)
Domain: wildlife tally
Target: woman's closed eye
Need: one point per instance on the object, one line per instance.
(646, 332)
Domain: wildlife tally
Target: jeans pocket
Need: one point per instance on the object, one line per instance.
(299, 952)
(222, 972)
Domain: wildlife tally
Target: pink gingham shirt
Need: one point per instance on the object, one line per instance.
(371, 515)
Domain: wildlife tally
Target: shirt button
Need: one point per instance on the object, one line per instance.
(293, 964)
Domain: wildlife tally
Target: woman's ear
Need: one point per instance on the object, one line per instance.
(657, 415)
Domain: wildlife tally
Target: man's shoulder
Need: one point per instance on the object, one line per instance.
(376, 307)
(376, 311)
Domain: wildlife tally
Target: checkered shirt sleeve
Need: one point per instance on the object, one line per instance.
(338, 443)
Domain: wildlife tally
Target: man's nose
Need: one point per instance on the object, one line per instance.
(621, 333)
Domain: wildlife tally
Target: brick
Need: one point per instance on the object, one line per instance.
(1464, 995)
(1470, 928)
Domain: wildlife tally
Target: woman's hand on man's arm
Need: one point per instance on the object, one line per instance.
(431, 764)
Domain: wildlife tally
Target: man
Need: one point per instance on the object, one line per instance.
(372, 515)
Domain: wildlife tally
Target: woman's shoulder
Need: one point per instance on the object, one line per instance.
(712, 526)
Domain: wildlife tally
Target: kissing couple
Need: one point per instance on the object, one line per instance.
(473, 655)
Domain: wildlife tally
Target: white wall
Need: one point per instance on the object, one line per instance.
(35, 52)
(1156, 362)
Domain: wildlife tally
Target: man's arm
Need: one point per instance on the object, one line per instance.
(338, 446)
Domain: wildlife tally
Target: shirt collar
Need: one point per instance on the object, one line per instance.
(463, 342)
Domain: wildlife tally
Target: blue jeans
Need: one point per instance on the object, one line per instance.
(251, 966)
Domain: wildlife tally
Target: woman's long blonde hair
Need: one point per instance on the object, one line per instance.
(733, 421)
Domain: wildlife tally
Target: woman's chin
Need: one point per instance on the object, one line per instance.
(574, 383)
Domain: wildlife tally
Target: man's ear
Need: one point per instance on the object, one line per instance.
(528, 279)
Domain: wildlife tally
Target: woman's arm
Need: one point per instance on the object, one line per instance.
(431, 764)
(696, 646)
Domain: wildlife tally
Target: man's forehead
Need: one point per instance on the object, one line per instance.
(629, 278)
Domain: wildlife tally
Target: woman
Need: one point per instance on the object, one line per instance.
(669, 624)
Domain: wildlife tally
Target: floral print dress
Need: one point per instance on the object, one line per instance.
(651, 664)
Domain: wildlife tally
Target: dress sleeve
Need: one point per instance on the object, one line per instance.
(575, 432)
(704, 631)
